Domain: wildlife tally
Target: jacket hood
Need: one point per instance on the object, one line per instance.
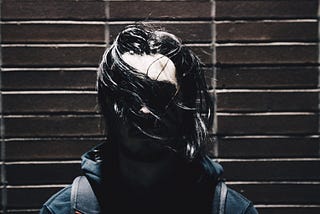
(212, 168)
(92, 164)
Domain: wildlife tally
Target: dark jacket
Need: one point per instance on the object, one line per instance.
(203, 189)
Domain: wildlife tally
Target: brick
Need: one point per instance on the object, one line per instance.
(51, 56)
(187, 32)
(263, 124)
(53, 10)
(288, 209)
(209, 77)
(20, 198)
(15, 211)
(204, 53)
(277, 31)
(271, 170)
(259, 9)
(267, 77)
(256, 101)
(53, 33)
(144, 10)
(38, 149)
(51, 173)
(268, 147)
(44, 103)
(1, 206)
(275, 54)
(280, 193)
(1, 182)
(54, 126)
(49, 80)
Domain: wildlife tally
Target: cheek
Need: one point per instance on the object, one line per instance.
(118, 128)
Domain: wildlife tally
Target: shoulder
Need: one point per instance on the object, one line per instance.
(237, 202)
(58, 203)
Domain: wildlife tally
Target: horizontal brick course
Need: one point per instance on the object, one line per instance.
(272, 170)
(268, 147)
(276, 31)
(251, 101)
(28, 211)
(144, 10)
(261, 9)
(274, 54)
(45, 103)
(288, 209)
(21, 197)
(45, 79)
(267, 77)
(52, 10)
(49, 149)
(294, 124)
(53, 173)
(54, 126)
(280, 193)
(52, 56)
(53, 33)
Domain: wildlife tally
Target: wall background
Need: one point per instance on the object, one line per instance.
(261, 56)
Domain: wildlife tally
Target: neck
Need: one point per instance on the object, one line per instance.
(143, 176)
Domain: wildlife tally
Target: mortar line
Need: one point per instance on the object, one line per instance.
(213, 80)
(106, 23)
(2, 142)
(319, 70)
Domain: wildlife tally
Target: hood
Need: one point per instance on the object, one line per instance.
(212, 168)
(91, 164)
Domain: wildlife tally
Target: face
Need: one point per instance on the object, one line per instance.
(147, 134)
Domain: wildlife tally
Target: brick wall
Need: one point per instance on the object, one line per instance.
(262, 59)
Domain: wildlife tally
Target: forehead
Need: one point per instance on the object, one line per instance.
(155, 66)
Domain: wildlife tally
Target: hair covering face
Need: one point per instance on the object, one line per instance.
(159, 103)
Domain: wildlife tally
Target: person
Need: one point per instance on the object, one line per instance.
(153, 96)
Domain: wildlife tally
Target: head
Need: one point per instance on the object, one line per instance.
(152, 88)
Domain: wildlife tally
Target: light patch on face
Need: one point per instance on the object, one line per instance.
(156, 66)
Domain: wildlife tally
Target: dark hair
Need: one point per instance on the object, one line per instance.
(122, 89)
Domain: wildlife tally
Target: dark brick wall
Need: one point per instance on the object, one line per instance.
(262, 59)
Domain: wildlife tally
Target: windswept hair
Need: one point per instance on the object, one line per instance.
(125, 88)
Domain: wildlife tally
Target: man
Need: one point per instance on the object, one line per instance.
(151, 91)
